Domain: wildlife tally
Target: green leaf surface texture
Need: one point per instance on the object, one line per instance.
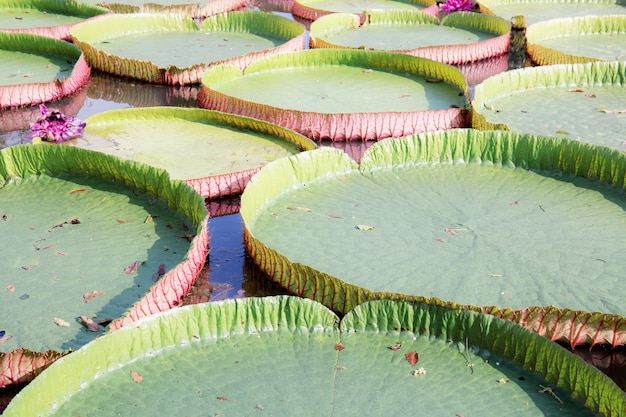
(579, 102)
(191, 9)
(354, 81)
(397, 31)
(290, 356)
(21, 14)
(590, 37)
(535, 11)
(29, 59)
(144, 43)
(190, 143)
(89, 236)
(359, 6)
(455, 216)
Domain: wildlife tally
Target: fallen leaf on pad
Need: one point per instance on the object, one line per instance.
(91, 325)
(412, 357)
(60, 322)
(87, 297)
(132, 268)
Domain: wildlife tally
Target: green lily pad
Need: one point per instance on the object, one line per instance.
(185, 7)
(87, 234)
(314, 9)
(471, 218)
(173, 49)
(216, 153)
(535, 11)
(51, 18)
(341, 94)
(279, 354)
(580, 102)
(458, 38)
(35, 69)
(578, 40)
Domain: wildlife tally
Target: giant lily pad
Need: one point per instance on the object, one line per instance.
(279, 354)
(186, 7)
(535, 11)
(518, 225)
(172, 49)
(216, 153)
(87, 234)
(52, 18)
(314, 9)
(578, 40)
(458, 38)
(342, 94)
(580, 102)
(35, 69)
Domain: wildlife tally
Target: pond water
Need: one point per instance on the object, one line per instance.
(228, 272)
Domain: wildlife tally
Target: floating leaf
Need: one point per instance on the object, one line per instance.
(299, 209)
(148, 219)
(614, 111)
(87, 297)
(79, 190)
(364, 227)
(10, 288)
(339, 347)
(451, 232)
(132, 268)
(562, 132)
(136, 376)
(60, 322)
(397, 346)
(91, 325)
(4, 337)
(222, 398)
(412, 357)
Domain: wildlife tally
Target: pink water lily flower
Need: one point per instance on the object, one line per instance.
(54, 126)
(451, 6)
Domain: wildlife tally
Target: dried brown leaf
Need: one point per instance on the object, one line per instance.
(412, 357)
(136, 376)
(132, 268)
(60, 322)
(87, 297)
(91, 325)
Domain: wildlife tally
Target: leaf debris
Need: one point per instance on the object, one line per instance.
(365, 227)
(136, 376)
(412, 357)
(60, 322)
(87, 297)
(91, 325)
(132, 268)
